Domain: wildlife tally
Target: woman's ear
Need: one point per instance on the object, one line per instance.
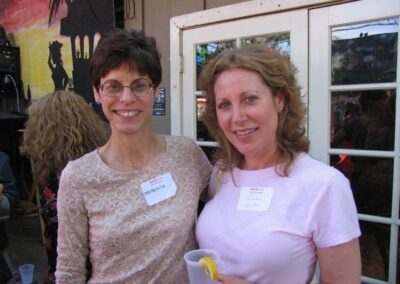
(156, 93)
(96, 94)
(279, 100)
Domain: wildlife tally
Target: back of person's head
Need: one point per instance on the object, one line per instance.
(61, 127)
(130, 47)
(278, 74)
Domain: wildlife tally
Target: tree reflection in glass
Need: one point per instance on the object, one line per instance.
(365, 53)
(207, 51)
(279, 41)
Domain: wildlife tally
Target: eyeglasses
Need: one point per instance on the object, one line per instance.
(114, 88)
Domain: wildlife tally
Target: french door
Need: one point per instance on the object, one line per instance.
(354, 118)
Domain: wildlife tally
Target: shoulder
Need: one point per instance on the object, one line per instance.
(184, 151)
(181, 144)
(80, 166)
(180, 140)
(305, 165)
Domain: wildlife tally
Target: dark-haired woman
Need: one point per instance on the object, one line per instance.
(131, 204)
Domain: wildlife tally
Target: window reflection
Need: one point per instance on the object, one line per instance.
(202, 132)
(279, 41)
(365, 53)
(371, 181)
(206, 52)
(363, 120)
(374, 244)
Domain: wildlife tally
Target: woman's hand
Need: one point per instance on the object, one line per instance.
(226, 279)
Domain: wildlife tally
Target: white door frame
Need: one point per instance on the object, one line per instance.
(222, 14)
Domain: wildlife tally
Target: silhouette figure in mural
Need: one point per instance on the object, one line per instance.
(85, 19)
(58, 73)
(3, 37)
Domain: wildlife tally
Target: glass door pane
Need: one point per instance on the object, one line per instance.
(365, 53)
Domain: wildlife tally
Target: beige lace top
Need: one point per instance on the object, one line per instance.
(103, 213)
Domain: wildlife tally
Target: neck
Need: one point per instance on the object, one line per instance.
(132, 153)
(266, 161)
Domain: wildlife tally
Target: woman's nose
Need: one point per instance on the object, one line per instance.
(127, 95)
(238, 114)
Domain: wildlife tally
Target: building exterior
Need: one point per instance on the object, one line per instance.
(347, 67)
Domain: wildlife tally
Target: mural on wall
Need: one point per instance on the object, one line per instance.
(56, 40)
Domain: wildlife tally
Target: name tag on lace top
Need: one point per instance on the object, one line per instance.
(158, 189)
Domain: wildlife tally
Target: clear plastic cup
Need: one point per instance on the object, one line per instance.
(26, 273)
(196, 272)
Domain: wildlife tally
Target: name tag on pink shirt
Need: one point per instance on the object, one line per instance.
(255, 198)
(158, 189)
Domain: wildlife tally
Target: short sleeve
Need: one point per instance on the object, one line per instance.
(335, 213)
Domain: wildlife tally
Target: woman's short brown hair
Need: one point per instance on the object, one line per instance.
(278, 73)
(131, 47)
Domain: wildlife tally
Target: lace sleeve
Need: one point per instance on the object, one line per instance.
(202, 165)
(72, 231)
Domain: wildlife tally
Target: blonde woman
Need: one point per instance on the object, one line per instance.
(61, 127)
(275, 211)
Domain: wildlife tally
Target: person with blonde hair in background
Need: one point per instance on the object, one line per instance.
(275, 211)
(61, 127)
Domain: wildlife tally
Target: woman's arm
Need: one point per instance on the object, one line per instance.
(72, 246)
(340, 263)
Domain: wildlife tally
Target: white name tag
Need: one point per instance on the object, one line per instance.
(255, 198)
(158, 189)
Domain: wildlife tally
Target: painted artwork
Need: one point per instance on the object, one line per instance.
(56, 40)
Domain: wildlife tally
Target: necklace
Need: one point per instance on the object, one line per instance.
(134, 166)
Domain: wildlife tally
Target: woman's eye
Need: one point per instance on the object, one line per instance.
(140, 86)
(112, 87)
(251, 99)
(223, 105)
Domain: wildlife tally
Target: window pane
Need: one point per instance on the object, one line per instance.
(365, 53)
(371, 181)
(280, 41)
(202, 132)
(209, 151)
(374, 244)
(363, 120)
(398, 260)
(206, 52)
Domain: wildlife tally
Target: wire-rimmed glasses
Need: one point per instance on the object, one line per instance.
(114, 89)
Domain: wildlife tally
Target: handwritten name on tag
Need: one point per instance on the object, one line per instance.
(255, 198)
(158, 189)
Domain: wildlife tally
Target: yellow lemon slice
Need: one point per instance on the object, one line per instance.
(209, 267)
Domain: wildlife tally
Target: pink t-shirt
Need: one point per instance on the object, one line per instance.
(313, 207)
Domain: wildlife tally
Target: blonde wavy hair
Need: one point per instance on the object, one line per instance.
(278, 73)
(61, 127)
